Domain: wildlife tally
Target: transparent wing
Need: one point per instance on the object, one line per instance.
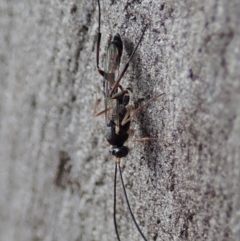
(111, 73)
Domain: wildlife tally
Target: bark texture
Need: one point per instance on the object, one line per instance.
(56, 176)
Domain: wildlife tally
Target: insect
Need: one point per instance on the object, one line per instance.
(118, 112)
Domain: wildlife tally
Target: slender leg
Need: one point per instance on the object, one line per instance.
(99, 112)
(99, 40)
(143, 139)
(139, 109)
(97, 101)
(126, 118)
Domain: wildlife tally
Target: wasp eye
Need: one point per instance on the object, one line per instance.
(119, 151)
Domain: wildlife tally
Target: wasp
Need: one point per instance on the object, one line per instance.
(118, 112)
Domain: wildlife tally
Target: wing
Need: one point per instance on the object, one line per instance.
(111, 72)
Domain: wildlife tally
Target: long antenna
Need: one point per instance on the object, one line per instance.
(128, 204)
(114, 203)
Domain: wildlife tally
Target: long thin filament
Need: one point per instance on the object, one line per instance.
(128, 204)
(114, 203)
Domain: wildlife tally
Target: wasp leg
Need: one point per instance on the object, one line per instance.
(97, 101)
(139, 109)
(98, 113)
(143, 139)
(127, 116)
(130, 133)
(120, 95)
(99, 41)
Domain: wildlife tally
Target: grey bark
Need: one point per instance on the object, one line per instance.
(56, 178)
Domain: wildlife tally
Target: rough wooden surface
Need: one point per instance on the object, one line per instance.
(56, 176)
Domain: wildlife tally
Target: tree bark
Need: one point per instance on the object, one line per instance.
(56, 179)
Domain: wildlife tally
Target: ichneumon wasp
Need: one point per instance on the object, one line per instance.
(118, 112)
